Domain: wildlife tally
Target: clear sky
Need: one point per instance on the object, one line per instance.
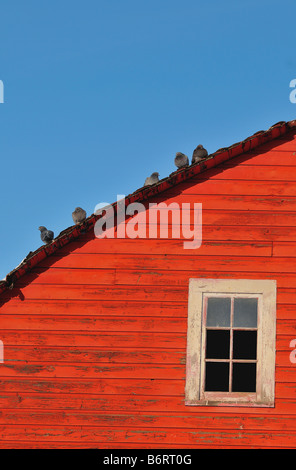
(99, 94)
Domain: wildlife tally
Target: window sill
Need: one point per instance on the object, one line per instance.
(230, 399)
(237, 403)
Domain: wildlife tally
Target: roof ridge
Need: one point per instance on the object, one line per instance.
(146, 192)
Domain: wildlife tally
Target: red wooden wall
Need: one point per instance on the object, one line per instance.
(95, 336)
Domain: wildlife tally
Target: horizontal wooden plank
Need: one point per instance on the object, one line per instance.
(249, 218)
(150, 246)
(127, 420)
(98, 445)
(125, 370)
(92, 323)
(78, 392)
(250, 172)
(283, 144)
(286, 327)
(104, 307)
(210, 233)
(286, 296)
(181, 278)
(15, 354)
(55, 276)
(75, 394)
(286, 374)
(215, 233)
(45, 291)
(69, 276)
(19, 393)
(187, 262)
(286, 311)
(230, 187)
(84, 276)
(100, 370)
(244, 233)
(107, 445)
(284, 249)
(184, 200)
(229, 201)
(114, 395)
(274, 157)
(285, 390)
(164, 436)
(144, 294)
(100, 339)
(283, 352)
(283, 342)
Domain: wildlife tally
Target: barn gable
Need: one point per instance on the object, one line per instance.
(95, 331)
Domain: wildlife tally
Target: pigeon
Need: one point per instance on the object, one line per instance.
(181, 160)
(46, 235)
(79, 215)
(198, 154)
(152, 179)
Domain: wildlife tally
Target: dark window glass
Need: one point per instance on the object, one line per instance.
(217, 377)
(244, 344)
(217, 345)
(243, 377)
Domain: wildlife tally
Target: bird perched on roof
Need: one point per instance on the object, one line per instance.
(181, 160)
(198, 154)
(46, 235)
(154, 178)
(79, 215)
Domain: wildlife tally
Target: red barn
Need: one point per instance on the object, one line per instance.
(141, 343)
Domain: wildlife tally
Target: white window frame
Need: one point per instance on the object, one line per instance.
(265, 291)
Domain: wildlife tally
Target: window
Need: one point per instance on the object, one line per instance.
(231, 342)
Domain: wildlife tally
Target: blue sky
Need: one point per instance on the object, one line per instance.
(99, 94)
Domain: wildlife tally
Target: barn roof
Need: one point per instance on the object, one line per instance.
(145, 193)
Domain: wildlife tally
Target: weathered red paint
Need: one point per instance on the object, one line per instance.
(94, 331)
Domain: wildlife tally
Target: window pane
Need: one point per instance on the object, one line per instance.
(243, 377)
(217, 377)
(244, 344)
(245, 313)
(218, 311)
(218, 344)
